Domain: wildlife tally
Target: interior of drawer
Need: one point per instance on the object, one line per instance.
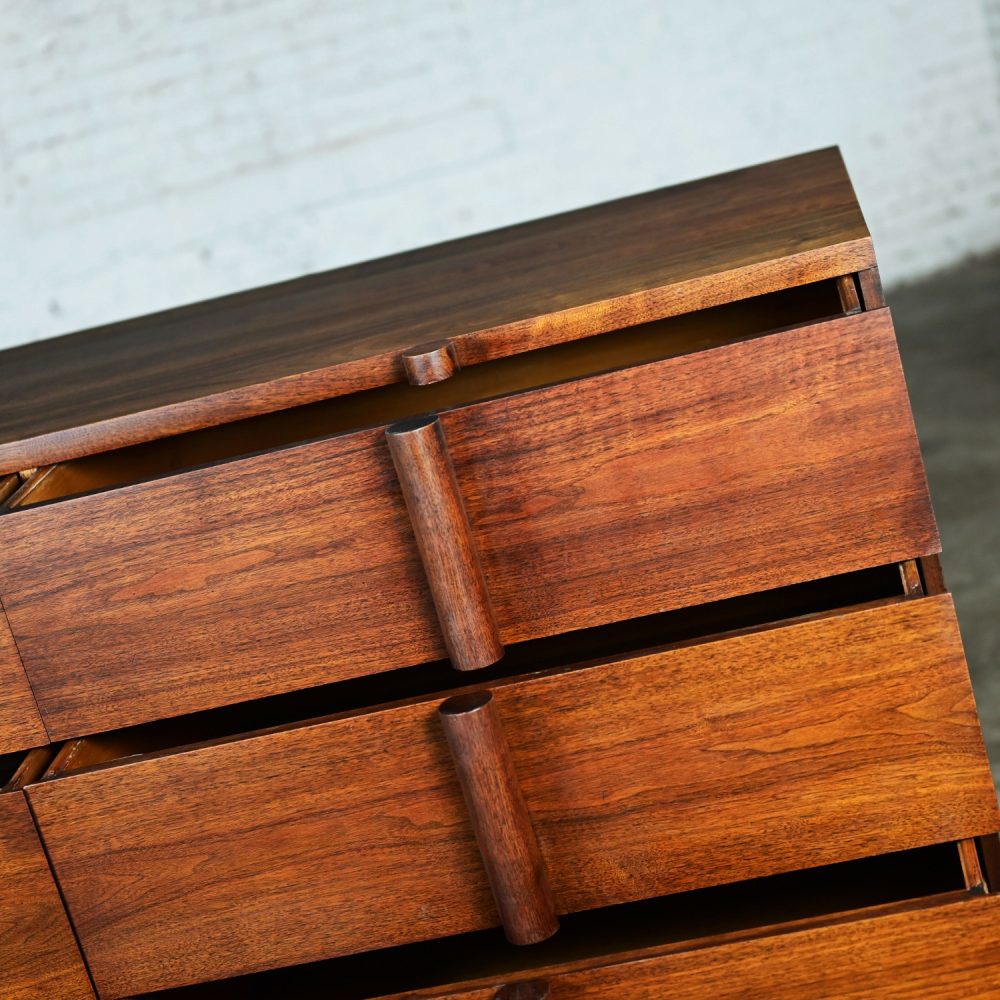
(23, 767)
(908, 875)
(586, 647)
(620, 349)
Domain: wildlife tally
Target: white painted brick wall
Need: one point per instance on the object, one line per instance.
(167, 151)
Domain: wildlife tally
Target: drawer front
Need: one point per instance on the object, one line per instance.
(949, 951)
(803, 745)
(39, 958)
(225, 584)
(693, 479)
(20, 724)
(733, 470)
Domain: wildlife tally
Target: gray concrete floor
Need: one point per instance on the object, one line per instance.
(950, 344)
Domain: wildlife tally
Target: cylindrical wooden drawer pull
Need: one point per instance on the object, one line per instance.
(444, 538)
(500, 818)
(428, 363)
(533, 989)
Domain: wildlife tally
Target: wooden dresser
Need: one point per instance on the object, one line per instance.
(555, 612)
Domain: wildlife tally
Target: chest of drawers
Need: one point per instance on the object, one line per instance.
(541, 577)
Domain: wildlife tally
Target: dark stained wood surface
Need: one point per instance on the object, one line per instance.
(622, 348)
(630, 261)
(500, 819)
(225, 584)
(734, 470)
(20, 724)
(39, 958)
(697, 478)
(816, 742)
(944, 951)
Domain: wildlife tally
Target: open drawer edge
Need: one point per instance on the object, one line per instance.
(533, 365)
(943, 948)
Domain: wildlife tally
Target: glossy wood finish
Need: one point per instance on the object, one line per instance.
(630, 261)
(448, 549)
(785, 748)
(622, 348)
(729, 471)
(500, 819)
(20, 723)
(693, 479)
(39, 958)
(225, 584)
(428, 363)
(942, 951)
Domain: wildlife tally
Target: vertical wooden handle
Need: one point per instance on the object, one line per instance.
(429, 363)
(444, 538)
(500, 818)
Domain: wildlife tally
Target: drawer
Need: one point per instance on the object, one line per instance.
(788, 747)
(691, 479)
(39, 957)
(942, 950)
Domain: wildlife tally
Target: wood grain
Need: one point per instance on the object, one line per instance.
(39, 958)
(729, 471)
(667, 252)
(946, 951)
(20, 723)
(448, 549)
(620, 348)
(871, 288)
(693, 479)
(792, 747)
(222, 585)
(500, 819)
